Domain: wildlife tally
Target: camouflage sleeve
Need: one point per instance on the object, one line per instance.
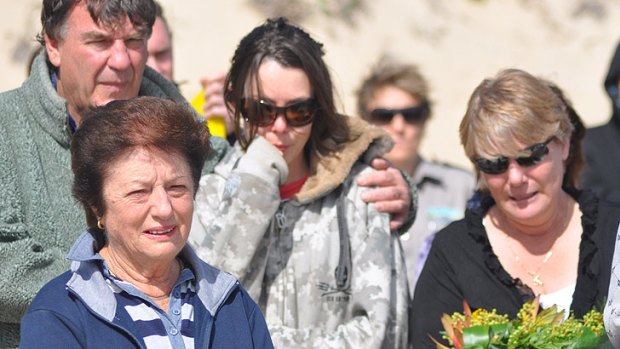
(233, 209)
(378, 296)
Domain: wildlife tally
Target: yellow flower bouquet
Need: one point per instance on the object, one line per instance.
(531, 329)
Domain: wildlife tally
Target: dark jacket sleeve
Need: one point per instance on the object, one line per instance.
(45, 328)
(238, 323)
(258, 325)
(595, 260)
(52, 320)
(436, 292)
(601, 147)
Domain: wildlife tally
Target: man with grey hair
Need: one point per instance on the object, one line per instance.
(94, 52)
(395, 97)
(159, 46)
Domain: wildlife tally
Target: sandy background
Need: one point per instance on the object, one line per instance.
(456, 43)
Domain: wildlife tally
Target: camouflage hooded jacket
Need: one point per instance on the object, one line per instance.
(321, 283)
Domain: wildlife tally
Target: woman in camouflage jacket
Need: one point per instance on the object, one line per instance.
(283, 211)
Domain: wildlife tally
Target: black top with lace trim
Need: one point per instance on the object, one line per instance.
(462, 266)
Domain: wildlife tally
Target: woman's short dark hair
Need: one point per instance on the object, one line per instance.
(109, 13)
(291, 47)
(109, 132)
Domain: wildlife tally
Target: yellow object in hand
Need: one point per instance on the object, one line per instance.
(216, 124)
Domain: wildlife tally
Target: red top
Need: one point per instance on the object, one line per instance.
(287, 191)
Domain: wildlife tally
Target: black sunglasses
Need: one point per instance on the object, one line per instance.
(261, 113)
(500, 164)
(412, 115)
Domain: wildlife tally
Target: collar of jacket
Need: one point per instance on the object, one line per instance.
(49, 109)
(425, 173)
(213, 286)
(328, 172)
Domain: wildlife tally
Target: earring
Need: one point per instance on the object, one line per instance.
(99, 224)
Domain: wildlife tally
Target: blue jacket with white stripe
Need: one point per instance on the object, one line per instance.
(78, 310)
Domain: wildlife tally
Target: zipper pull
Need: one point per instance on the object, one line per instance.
(280, 219)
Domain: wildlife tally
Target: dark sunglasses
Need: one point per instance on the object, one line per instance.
(500, 164)
(412, 115)
(261, 113)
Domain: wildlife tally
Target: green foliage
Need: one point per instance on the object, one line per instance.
(531, 329)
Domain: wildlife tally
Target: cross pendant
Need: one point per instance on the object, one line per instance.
(537, 280)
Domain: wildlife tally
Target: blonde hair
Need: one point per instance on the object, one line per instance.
(513, 106)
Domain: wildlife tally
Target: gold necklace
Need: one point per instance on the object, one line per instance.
(536, 273)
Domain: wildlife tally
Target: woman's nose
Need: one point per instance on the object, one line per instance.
(398, 122)
(279, 124)
(516, 173)
(162, 207)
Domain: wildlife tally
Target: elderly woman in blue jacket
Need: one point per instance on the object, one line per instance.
(134, 282)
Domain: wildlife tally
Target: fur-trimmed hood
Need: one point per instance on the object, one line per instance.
(328, 172)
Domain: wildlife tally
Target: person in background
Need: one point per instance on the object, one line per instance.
(136, 166)
(394, 96)
(528, 231)
(161, 59)
(159, 46)
(214, 105)
(285, 213)
(601, 144)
